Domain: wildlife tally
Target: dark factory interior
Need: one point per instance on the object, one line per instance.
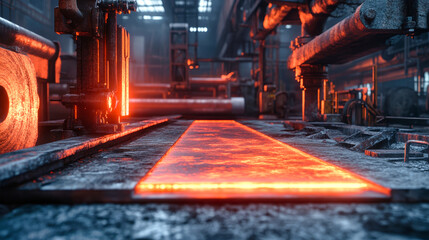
(214, 119)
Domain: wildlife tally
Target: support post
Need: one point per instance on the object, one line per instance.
(261, 78)
(311, 78)
(112, 50)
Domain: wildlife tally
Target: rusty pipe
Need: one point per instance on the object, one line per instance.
(324, 6)
(13, 35)
(70, 10)
(275, 17)
(145, 107)
(314, 17)
(360, 34)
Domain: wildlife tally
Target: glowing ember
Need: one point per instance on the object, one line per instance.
(224, 159)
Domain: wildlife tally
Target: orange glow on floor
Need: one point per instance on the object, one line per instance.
(225, 159)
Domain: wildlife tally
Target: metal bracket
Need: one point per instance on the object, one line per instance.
(408, 145)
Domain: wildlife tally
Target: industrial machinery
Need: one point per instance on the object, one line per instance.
(101, 95)
(363, 28)
(369, 27)
(179, 57)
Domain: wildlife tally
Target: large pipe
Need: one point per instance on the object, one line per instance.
(233, 106)
(208, 80)
(112, 48)
(29, 42)
(362, 33)
(314, 18)
(70, 10)
(324, 6)
(275, 17)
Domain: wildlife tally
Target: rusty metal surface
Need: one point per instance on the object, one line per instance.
(19, 102)
(275, 16)
(370, 26)
(324, 6)
(313, 18)
(70, 10)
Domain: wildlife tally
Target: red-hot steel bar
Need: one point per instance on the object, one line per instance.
(227, 160)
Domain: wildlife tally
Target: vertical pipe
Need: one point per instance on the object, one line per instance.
(375, 85)
(419, 78)
(111, 47)
(406, 54)
(337, 110)
(261, 75)
(261, 65)
(102, 63)
(277, 71)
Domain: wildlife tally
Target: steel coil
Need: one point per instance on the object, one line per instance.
(19, 102)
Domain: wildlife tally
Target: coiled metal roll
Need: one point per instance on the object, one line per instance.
(19, 102)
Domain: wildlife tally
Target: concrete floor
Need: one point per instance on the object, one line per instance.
(255, 221)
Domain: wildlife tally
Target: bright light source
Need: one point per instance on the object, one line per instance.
(148, 17)
(200, 29)
(369, 86)
(205, 6)
(288, 26)
(150, 6)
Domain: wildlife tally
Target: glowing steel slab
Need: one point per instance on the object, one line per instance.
(227, 160)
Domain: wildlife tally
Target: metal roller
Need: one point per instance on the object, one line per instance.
(145, 107)
(19, 102)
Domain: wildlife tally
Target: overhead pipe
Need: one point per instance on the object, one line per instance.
(314, 17)
(13, 35)
(324, 6)
(362, 33)
(70, 10)
(276, 16)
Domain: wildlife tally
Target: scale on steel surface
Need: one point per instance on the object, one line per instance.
(225, 160)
